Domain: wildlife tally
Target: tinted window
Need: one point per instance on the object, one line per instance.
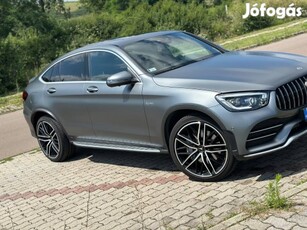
(73, 68)
(104, 64)
(170, 51)
(47, 75)
(53, 74)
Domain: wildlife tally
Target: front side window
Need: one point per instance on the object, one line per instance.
(104, 64)
(73, 68)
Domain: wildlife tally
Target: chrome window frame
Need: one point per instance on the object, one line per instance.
(87, 81)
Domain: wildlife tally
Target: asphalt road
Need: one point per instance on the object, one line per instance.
(15, 136)
(296, 45)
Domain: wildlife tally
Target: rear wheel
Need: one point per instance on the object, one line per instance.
(200, 150)
(52, 140)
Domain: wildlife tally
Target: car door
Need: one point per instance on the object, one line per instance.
(117, 113)
(64, 92)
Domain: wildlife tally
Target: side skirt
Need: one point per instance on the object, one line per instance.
(118, 147)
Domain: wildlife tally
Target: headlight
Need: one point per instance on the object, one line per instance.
(243, 101)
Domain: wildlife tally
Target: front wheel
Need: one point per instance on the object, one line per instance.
(200, 150)
(52, 140)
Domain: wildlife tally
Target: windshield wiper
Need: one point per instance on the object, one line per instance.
(184, 64)
(175, 67)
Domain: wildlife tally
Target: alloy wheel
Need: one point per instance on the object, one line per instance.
(201, 149)
(48, 140)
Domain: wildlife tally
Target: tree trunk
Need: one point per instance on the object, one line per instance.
(42, 5)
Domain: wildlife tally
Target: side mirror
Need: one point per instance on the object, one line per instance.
(121, 78)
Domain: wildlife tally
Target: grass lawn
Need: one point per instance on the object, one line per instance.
(260, 37)
(10, 103)
(76, 9)
(266, 36)
(73, 6)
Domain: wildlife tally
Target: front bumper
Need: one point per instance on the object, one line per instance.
(251, 134)
(289, 140)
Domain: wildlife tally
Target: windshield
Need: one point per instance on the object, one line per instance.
(170, 51)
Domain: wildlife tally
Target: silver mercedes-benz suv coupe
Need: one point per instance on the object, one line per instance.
(173, 92)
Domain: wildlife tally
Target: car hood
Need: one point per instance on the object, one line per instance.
(237, 71)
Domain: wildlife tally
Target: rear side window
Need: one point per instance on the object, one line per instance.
(104, 64)
(70, 69)
(46, 77)
(53, 74)
(73, 68)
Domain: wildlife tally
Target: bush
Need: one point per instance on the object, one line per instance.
(257, 23)
(30, 37)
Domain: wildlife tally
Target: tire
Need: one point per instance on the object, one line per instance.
(52, 140)
(202, 159)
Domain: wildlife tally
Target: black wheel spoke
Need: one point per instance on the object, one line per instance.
(210, 165)
(187, 143)
(193, 161)
(201, 149)
(190, 155)
(48, 139)
(205, 164)
(48, 148)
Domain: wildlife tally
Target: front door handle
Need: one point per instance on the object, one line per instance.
(92, 89)
(51, 90)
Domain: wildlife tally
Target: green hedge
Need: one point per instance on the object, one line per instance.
(30, 38)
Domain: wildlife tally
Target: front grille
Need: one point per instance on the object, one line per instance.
(292, 95)
(265, 131)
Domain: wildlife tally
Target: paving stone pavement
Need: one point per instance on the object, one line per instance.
(100, 189)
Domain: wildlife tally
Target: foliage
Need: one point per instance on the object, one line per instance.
(10, 103)
(302, 181)
(6, 160)
(273, 198)
(265, 36)
(49, 5)
(35, 32)
(93, 5)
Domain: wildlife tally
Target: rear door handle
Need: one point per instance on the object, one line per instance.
(51, 90)
(92, 89)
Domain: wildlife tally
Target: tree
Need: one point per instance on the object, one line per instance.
(52, 5)
(9, 65)
(7, 18)
(117, 5)
(94, 5)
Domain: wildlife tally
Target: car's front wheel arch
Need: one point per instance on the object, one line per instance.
(176, 115)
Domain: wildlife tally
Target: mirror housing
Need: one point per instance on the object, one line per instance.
(121, 78)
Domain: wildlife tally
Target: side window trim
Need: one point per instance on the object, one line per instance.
(130, 69)
(87, 68)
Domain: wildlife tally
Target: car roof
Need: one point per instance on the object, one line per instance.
(119, 42)
(123, 41)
